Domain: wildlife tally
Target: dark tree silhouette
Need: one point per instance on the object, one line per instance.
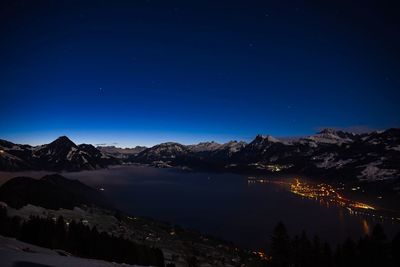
(374, 251)
(280, 247)
(395, 251)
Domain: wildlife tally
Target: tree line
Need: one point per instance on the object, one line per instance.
(371, 250)
(78, 239)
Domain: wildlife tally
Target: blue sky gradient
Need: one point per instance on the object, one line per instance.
(144, 72)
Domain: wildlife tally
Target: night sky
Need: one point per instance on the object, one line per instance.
(143, 72)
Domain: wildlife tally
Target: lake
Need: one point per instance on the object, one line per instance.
(223, 204)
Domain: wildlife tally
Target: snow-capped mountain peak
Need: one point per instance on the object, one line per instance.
(332, 136)
(266, 138)
(204, 147)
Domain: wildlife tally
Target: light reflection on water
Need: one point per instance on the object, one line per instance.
(365, 227)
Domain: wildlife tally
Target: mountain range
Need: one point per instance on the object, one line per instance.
(330, 153)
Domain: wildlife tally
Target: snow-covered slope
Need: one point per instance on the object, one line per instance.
(14, 253)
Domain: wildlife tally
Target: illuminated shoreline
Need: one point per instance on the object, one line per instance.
(327, 194)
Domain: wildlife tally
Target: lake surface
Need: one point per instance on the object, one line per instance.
(223, 205)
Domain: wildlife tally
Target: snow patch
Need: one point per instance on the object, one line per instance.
(396, 148)
(325, 161)
(372, 172)
(270, 138)
(71, 153)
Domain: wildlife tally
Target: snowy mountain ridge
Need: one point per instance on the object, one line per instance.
(366, 157)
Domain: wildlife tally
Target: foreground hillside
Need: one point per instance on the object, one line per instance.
(14, 253)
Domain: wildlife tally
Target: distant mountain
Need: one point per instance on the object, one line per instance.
(202, 153)
(263, 146)
(121, 153)
(216, 151)
(204, 147)
(61, 154)
(165, 151)
(331, 136)
(52, 192)
(225, 151)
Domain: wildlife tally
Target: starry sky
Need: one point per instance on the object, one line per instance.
(142, 72)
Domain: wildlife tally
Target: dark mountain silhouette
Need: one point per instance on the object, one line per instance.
(60, 155)
(52, 192)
